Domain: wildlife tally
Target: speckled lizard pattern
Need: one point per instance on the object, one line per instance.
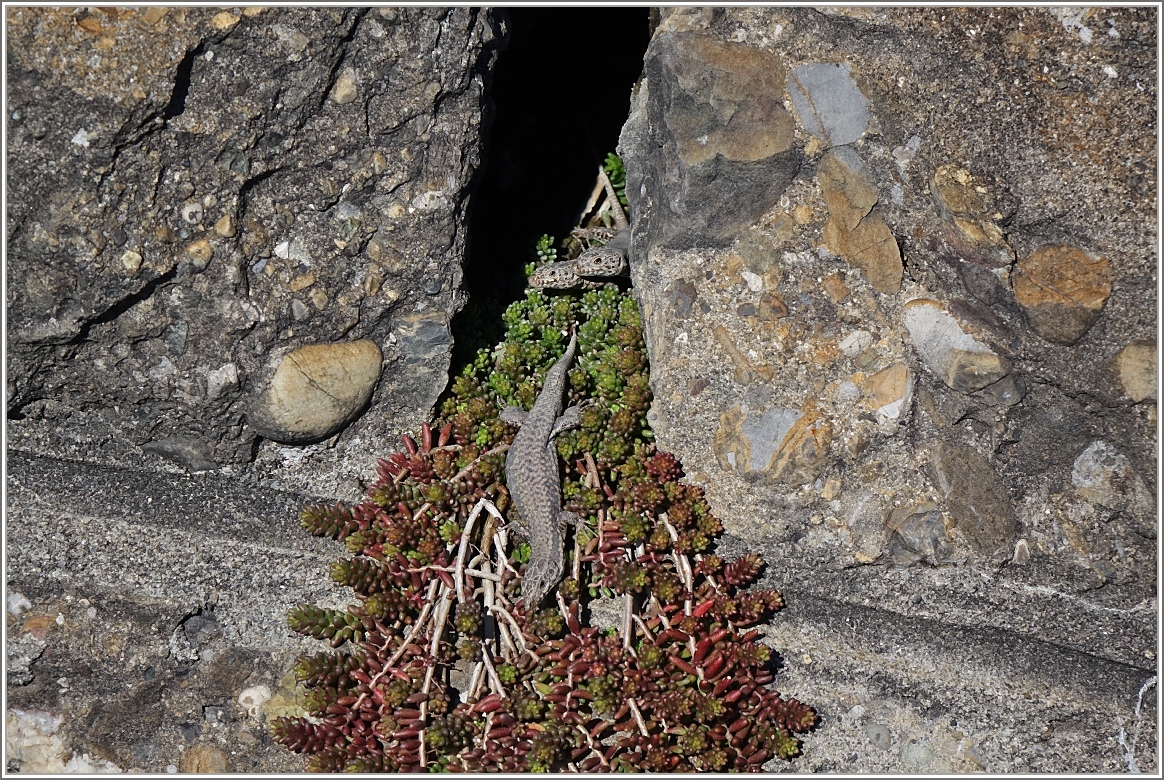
(531, 473)
(595, 263)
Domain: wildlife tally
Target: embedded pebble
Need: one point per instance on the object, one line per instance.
(203, 759)
(131, 262)
(224, 21)
(316, 391)
(960, 360)
(968, 208)
(1104, 477)
(828, 102)
(975, 496)
(1062, 290)
(878, 734)
(889, 391)
(854, 231)
(1136, 365)
(192, 213)
(252, 699)
(224, 226)
(919, 532)
(779, 443)
(344, 91)
(856, 342)
(200, 252)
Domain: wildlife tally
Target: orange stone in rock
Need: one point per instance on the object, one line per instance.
(1062, 290)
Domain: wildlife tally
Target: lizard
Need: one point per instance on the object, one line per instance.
(597, 262)
(531, 474)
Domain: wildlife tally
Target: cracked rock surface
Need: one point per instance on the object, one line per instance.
(912, 366)
(196, 194)
(194, 190)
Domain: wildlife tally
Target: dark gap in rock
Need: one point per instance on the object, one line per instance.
(561, 94)
(181, 89)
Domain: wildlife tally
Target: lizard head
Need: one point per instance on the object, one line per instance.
(540, 575)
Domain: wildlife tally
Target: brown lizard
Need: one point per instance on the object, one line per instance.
(531, 474)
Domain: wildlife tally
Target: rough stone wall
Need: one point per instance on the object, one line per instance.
(195, 193)
(231, 233)
(898, 273)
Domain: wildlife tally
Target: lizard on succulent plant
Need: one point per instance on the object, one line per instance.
(531, 474)
(599, 262)
(595, 263)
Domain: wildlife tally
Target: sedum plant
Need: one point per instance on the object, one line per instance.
(440, 666)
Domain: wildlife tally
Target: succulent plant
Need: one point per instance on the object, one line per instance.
(441, 666)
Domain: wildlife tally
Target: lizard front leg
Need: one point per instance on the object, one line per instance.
(571, 418)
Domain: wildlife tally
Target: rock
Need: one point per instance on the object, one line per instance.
(253, 699)
(1136, 366)
(203, 759)
(828, 102)
(316, 391)
(968, 210)
(961, 361)
(778, 444)
(34, 745)
(188, 451)
(1062, 290)
(919, 532)
(709, 124)
(1104, 477)
(22, 651)
(226, 209)
(976, 498)
(859, 236)
(994, 599)
(889, 391)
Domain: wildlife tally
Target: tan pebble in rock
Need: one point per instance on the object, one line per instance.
(858, 236)
(224, 227)
(960, 360)
(1136, 365)
(301, 282)
(771, 307)
(785, 445)
(131, 262)
(200, 252)
(344, 91)
(889, 391)
(835, 288)
(203, 760)
(316, 391)
(154, 14)
(224, 20)
(736, 111)
(1062, 290)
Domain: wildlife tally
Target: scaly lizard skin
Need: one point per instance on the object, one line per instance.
(531, 473)
(595, 263)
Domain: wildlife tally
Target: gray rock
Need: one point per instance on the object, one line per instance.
(828, 102)
(713, 143)
(218, 208)
(943, 568)
(976, 498)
